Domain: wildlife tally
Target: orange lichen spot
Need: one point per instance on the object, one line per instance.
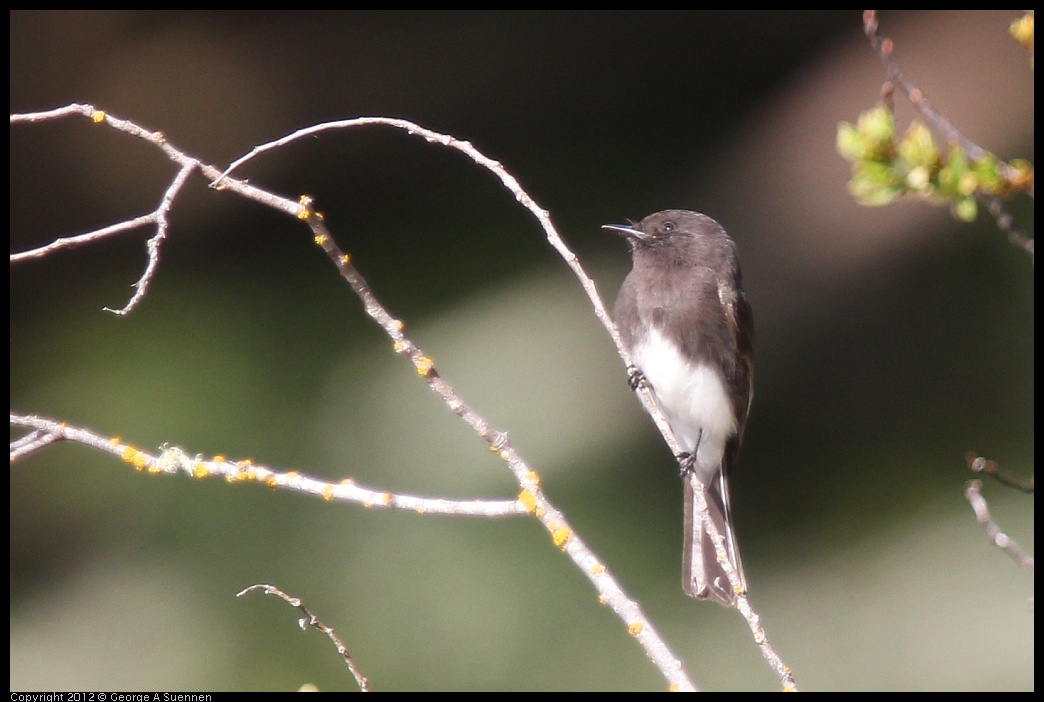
(199, 470)
(292, 474)
(528, 500)
(305, 201)
(673, 687)
(114, 440)
(635, 628)
(597, 569)
(219, 458)
(98, 116)
(386, 498)
(399, 324)
(602, 600)
(533, 477)
(560, 536)
(424, 366)
(328, 492)
(128, 453)
(321, 239)
(244, 463)
(399, 346)
(271, 481)
(347, 481)
(346, 260)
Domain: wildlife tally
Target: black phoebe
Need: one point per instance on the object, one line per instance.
(686, 322)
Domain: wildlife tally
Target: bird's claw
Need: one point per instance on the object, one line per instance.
(635, 377)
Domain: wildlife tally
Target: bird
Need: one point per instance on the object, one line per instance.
(685, 321)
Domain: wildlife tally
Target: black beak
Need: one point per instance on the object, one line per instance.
(627, 230)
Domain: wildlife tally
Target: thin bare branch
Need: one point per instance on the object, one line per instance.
(31, 442)
(510, 182)
(162, 223)
(85, 238)
(159, 217)
(171, 460)
(973, 493)
(980, 464)
(313, 621)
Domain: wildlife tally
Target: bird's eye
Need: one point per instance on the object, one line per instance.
(668, 226)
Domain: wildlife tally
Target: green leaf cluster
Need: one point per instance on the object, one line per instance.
(885, 168)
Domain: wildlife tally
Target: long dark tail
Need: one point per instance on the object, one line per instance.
(703, 576)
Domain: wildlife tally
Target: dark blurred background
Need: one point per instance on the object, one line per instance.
(890, 341)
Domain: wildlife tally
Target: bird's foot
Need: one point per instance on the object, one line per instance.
(635, 377)
(686, 463)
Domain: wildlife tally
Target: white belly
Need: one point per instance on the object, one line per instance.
(694, 398)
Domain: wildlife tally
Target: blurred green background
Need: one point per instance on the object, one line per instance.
(890, 341)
